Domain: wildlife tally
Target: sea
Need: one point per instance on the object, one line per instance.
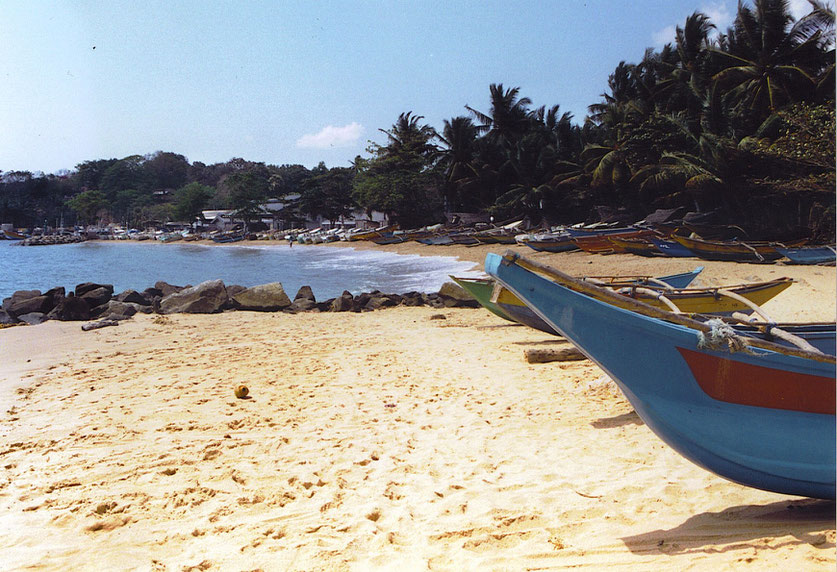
(138, 265)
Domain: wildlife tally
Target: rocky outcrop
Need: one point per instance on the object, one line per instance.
(343, 303)
(96, 301)
(378, 300)
(206, 298)
(166, 289)
(70, 308)
(134, 297)
(303, 301)
(26, 301)
(33, 318)
(94, 294)
(454, 295)
(264, 298)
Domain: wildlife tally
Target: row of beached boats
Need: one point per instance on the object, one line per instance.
(637, 239)
(706, 369)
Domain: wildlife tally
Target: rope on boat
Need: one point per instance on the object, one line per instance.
(722, 337)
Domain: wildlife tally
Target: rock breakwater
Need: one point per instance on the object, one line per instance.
(92, 301)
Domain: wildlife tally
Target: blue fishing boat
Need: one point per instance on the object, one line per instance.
(672, 248)
(809, 254)
(752, 411)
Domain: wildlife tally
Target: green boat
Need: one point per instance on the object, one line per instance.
(481, 289)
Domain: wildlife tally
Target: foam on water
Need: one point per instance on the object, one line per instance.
(138, 265)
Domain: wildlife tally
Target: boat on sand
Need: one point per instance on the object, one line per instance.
(753, 411)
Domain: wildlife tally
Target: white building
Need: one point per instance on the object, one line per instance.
(223, 219)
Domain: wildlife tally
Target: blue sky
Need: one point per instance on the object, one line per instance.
(296, 82)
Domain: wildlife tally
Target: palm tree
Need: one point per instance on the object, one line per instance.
(456, 158)
(769, 61)
(509, 119)
(685, 86)
(407, 134)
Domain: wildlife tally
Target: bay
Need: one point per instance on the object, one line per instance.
(138, 265)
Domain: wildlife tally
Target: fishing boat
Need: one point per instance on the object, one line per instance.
(371, 233)
(734, 250)
(671, 248)
(228, 237)
(715, 301)
(505, 304)
(602, 243)
(639, 246)
(481, 289)
(753, 411)
(13, 235)
(809, 254)
(550, 242)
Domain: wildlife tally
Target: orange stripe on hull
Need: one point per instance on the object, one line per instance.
(746, 384)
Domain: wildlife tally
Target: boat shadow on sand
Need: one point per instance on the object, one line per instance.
(808, 521)
(630, 418)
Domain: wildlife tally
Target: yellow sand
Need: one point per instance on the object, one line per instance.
(388, 440)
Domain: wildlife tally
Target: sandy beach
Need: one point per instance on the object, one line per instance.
(410, 438)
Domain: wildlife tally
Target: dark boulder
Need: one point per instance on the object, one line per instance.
(263, 298)
(359, 301)
(454, 296)
(6, 319)
(55, 295)
(70, 308)
(118, 308)
(27, 301)
(234, 289)
(305, 293)
(412, 299)
(303, 301)
(343, 303)
(33, 318)
(152, 293)
(205, 298)
(134, 297)
(378, 301)
(167, 289)
(97, 296)
(85, 287)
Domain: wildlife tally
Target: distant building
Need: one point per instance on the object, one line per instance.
(224, 219)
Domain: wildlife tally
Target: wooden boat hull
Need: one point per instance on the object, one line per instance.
(731, 251)
(481, 289)
(557, 245)
(603, 243)
(809, 255)
(638, 246)
(517, 310)
(372, 233)
(764, 420)
(672, 248)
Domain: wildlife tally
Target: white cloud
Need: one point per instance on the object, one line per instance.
(331, 136)
(799, 8)
(664, 36)
(719, 15)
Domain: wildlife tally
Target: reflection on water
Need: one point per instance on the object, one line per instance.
(137, 266)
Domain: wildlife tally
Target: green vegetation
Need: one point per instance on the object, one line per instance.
(740, 122)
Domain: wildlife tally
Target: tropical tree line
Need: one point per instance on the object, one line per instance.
(739, 121)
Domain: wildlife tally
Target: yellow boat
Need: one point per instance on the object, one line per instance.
(722, 300)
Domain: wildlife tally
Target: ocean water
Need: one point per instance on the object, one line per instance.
(138, 265)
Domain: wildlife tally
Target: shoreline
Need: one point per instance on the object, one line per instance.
(812, 282)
